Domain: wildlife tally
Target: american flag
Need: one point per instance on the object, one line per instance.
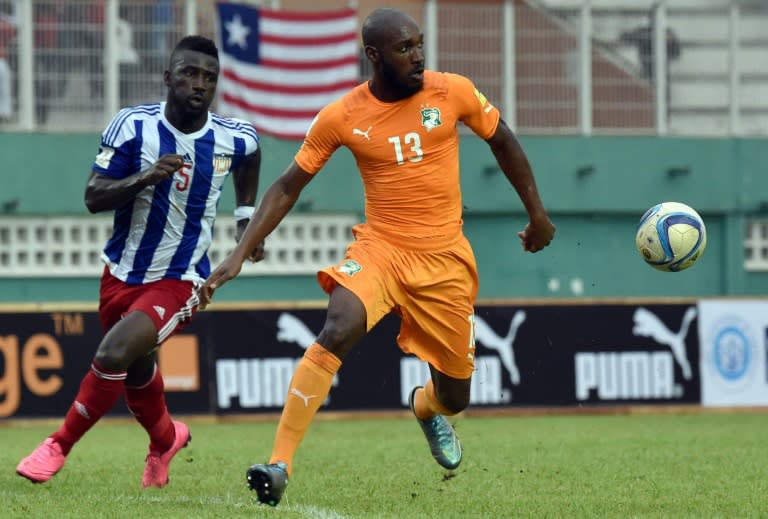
(279, 68)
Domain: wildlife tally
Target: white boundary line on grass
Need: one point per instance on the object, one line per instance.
(309, 511)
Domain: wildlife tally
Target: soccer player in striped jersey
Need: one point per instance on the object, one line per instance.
(410, 257)
(161, 168)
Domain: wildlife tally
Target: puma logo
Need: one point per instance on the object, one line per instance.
(362, 133)
(291, 329)
(501, 345)
(649, 325)
(298, 393)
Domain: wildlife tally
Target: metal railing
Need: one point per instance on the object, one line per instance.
(70, 246)
(552, 66)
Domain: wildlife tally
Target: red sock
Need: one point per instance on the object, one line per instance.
(99, 391)
(147, 403)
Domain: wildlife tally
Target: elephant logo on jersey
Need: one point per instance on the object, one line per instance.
(350, 267)
(221, 163)
(430, 118)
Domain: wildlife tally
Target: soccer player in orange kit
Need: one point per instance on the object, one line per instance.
(411, 256)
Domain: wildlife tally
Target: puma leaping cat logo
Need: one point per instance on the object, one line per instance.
(297, 392)
(649, 325)
(362, 133)
(291, 329)
(502, 345)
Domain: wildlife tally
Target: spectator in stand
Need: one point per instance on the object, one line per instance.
(47, 64)
(84, 39)
(7, 34)
(643, 38)
(162, 24)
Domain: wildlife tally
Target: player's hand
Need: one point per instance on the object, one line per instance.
(165, 167)
(257, 254)
(537, 234)
(228, 269)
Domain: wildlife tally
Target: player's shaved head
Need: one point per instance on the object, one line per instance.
(394, 44)
(382, 24)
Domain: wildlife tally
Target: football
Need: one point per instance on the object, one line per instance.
(671, 236)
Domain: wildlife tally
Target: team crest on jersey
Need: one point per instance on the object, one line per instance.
(350, 267)
(430, 118)
(221, 163)
(104, 157)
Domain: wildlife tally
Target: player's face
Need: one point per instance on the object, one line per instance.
(402, 62)
(192, 80)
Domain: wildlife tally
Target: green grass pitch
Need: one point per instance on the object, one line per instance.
(707, 465)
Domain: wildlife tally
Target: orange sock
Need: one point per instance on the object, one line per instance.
(309, 387)
(426, 405)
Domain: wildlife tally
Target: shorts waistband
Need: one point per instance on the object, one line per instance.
(404, 241)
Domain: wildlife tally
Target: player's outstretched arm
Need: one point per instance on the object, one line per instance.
(104, 193)
(277, 202)
(246, 180)
(513, 162)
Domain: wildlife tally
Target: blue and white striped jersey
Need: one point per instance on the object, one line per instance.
(166, 231)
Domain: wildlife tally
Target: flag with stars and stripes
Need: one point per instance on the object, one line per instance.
(279, 68)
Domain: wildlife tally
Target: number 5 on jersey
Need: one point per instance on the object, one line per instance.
(411, 139)
(183, 183)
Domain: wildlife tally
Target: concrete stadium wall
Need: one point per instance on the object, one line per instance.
(596, 188)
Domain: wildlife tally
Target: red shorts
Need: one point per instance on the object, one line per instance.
(170, 303)
(433, 291)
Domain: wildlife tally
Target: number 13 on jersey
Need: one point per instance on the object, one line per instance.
(411, 139)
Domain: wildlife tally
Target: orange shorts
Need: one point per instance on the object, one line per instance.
(432, 291)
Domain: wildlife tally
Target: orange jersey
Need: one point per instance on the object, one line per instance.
(407, 152)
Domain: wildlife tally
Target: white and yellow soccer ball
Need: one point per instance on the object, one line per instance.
(671, 236)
